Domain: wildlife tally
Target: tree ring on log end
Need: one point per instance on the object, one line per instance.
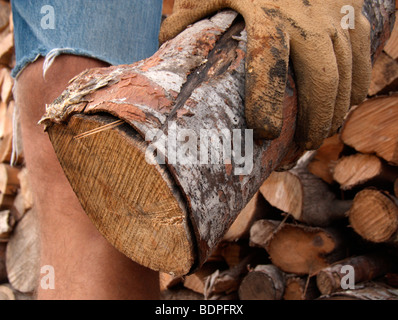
(148, 203)
(374, 215)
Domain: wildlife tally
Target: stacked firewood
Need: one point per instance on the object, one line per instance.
(326, 229)
(18, 234)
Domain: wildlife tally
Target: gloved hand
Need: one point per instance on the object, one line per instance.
(332, 64)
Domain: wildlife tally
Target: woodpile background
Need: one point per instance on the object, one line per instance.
(337, 207)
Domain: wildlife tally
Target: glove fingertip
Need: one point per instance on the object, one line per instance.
(358, 96)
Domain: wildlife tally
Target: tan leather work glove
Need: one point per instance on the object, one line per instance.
(332, 65)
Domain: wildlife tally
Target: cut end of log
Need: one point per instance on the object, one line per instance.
(378, 116)
(325, 158)
(6, 293)
(301, 250)
(265, 282)
(374, 215)
(293, 291)
(327, 282)
(283, 190)
(147, 211)
(22, 254)
(254, 210)
(356, 169)
(262, 232)
(300, 288)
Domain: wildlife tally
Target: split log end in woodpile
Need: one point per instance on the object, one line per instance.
(371, 128)
(361, 169)
(265, 282)
(303, 195)
(374, 216)
(300, 288)
(298, 249)
(165, 214)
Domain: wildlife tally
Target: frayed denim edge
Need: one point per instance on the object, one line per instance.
(50, 56)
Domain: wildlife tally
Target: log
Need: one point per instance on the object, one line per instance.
(177, 213)
(374, 216)
(305, 250)
(6, 225)
(229, 297)
(300, 249)
(197, 281)
(367, 291)
(3, 119)
(6, 84)
(229, 280)
(216, 255)
(3, 270)
(262, 232)
(9, 187)
(396, 187)
(18, 207)
(303, 195)
(167, 281)
(254, 210)
(391, 47)
(11, 23)
(325, 158)
(6, 142)
(9, 181)
(25, 189)
(378, 116)
(5, 11)
(355, 170)
(233, 252)
(391, 279)
(6, 46)
(366, 267)
(6, 148)
(197, 213)
(180, 294)
(384, 76)
(300, 288)
(22, 254)
(264, 282)
(6, 293)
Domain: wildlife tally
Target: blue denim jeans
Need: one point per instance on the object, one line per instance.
(114, 31)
